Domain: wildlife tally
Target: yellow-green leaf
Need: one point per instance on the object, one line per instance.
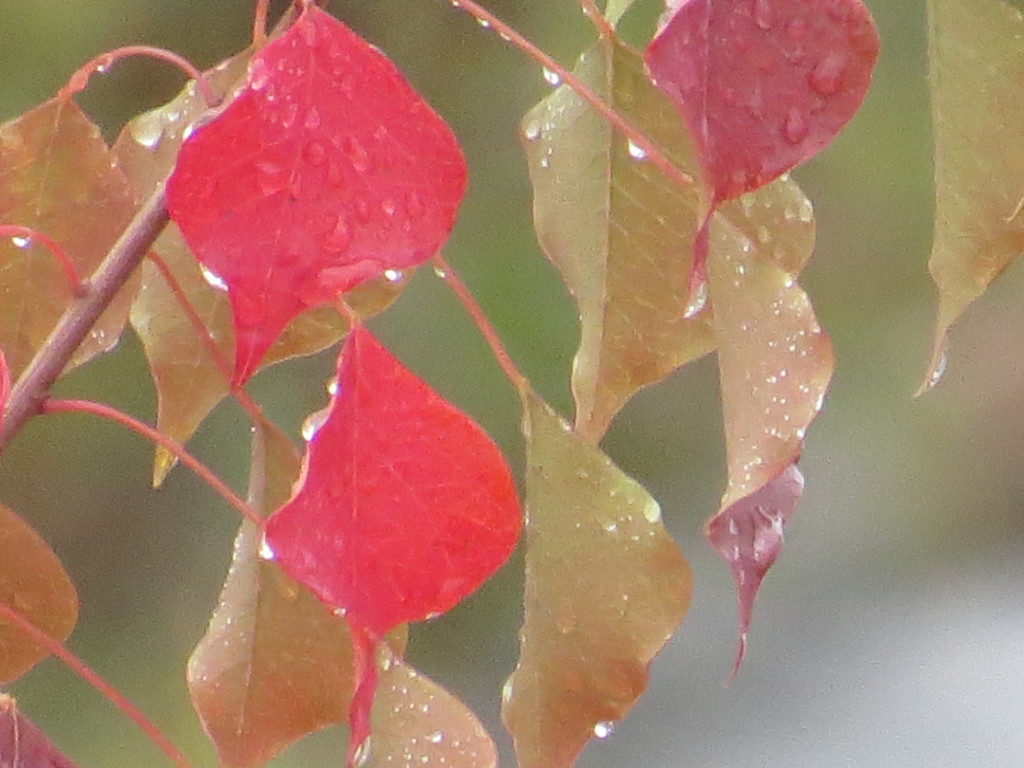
(57, 176)
(35, 585)
(976, 71)
(605, 589)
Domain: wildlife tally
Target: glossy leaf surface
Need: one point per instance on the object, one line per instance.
(976, 67)
(610, 220)
(35, 585)
(188, 381)
(57, 176)
(325, 171)
(762, 84)
(605, 589)
(22, 744)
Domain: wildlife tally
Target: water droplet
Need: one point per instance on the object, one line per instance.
(313, 423)
(441, 272)
(436, 737)
(388, 206)
(697, 302)
(484, 23)
(315, 154)
(361, 757)
(552, 78)
(532, 130)
(637, 153)
(357, 154)
(796, 126)
(827, 77)
(266, 552)
(393, 275)
(21, 242)
(147, 129)
(211, 277)
(610, 526)
(291, 111)
(652, 512)
(764, 235)
(938, 370)
(604, 729)
(763, 14)
(313, 119)
(259, 74)
(506, 690)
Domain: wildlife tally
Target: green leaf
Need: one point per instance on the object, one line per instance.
(976, 67)
(57, 176)
(35, 585)
(605, 589)
(616, 9)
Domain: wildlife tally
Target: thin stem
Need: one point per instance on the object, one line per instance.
(93, 678)
(637, 137)
(597, 18)
(205, 473)
(444, 270)
(81, 315)
(259, 23)
(78, 81)
(27, 235)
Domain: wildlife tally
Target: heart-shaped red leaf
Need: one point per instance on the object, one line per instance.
(327, 169)
(762, 84)
(405, 506)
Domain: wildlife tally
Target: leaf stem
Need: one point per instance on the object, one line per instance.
(81, 315)
(445, 271)
(204, 473)
(637, 137)
(93, 678)
(80, 79)
(596, 17)
(27, 235)
(259, 23)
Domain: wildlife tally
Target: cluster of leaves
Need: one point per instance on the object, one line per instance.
(288, 194)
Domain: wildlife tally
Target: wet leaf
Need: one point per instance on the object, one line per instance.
(5, 385)
(763, 84)
(275, 664)
(416, 722)
(610, 221)
(338, 172)
(22, 744)
(976, 67)
(35, 585)
(188, 381)
(605, 589)
(57, 176)
(405, 505)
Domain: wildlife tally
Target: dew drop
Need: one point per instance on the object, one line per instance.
(357, 154)
(436, 737)
(827, 77)
(796, 126)
(484, 23)
(610, 526)
(21, 242)
(441, 272)
(147, 130)
(938, 371)
(361, 758)
(393, 275)
(211, 277)
(551, 78)
(604, 729)
(258, 74)
(652, 512)
(637, 153)
(388, 206)
(763, 14)
(532, 131)
(507, 690)
(313, 423)
(291, 111)
(697, 302)
(266, 551)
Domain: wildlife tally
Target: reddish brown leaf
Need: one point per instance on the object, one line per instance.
(57, 176)
(326, 170)
(22, 744)
(404, 508)
(763, 84)
(34, 584)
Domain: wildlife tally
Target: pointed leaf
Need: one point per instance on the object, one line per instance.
(188, 381)
(34, 584)
(763, 84)
(57, 176)
(22, 744)
(605, 589)
(616, 9)
(416, 722)
(326, 170)
(976, 67)
(610, 222)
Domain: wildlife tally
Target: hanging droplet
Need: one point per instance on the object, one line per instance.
(21, 242)
(604, 729)
(393, 275)
(441, 272)
(357, 154)
(147, 129)
(484, 23)
(552, 78)
(313, 423)
(697, 302)
(211, 277)
(532, 130)
(938, 369)
(636, 152)
(361, 757)
(796, 127)
(827, 77)
(266, 552)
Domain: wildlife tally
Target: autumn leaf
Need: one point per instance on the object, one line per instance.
(33, 584)
(326, 170)
(188, 380)
(57, 176)
(405, 506)
(605, 589)
(22, 744)
(976, 67)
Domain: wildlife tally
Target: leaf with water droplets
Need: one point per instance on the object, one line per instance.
(22, 744)
(5, 385)
(57, 176)
(416, 722)
(774, 364)
(188, 381)
(763, 84)
(35, 585)
(976, 67)
(326, 170)
(605, 589)
(609, 222)
(405, 506)
(275, 664)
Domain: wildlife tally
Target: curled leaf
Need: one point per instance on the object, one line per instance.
(326, 170)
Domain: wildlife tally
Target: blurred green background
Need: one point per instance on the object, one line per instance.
(888, 633)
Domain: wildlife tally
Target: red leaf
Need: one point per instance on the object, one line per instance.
(5, 386)
(748, 535)
(326, 170)
(762, 84)
(405, 506)
(22, 744)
